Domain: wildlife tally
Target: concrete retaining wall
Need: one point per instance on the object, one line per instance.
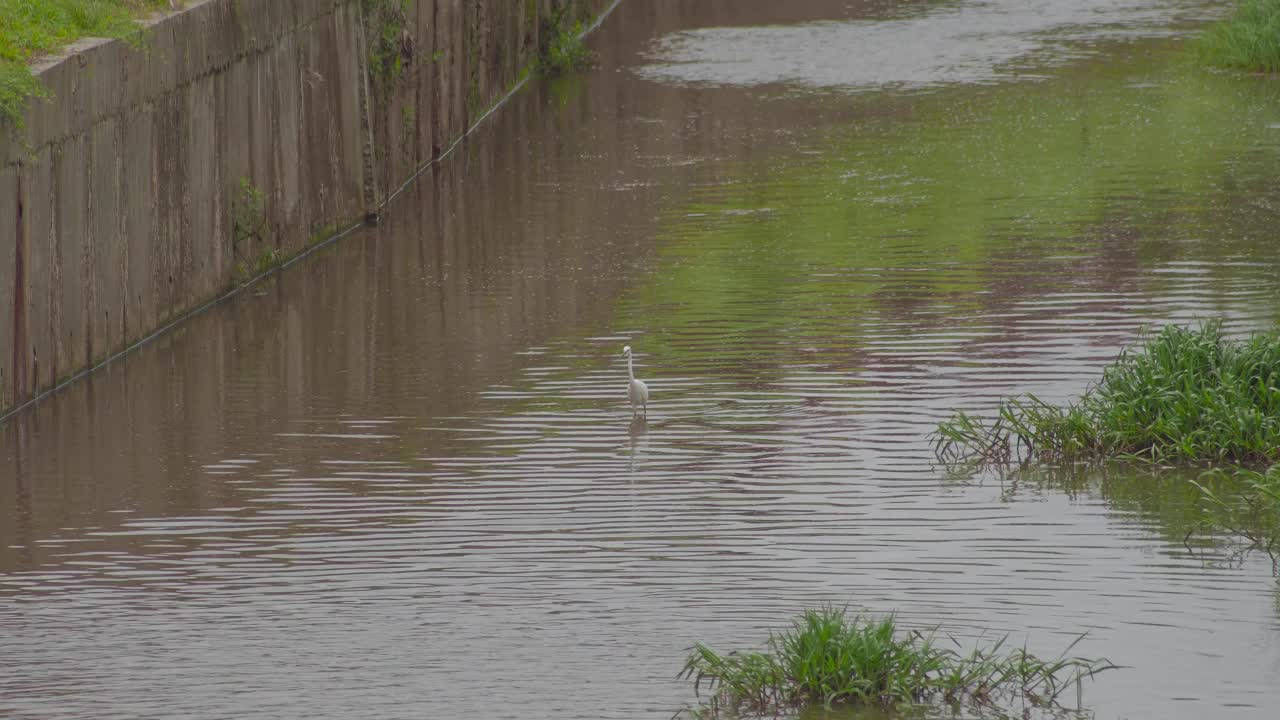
(125, 201)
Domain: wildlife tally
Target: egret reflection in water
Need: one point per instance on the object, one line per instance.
(636, 433)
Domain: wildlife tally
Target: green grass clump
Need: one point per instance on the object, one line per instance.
(562, 49)
(17, 87)
(827, 658)
(1184, 395)
(391, 47)
(29, 28)
(1247, 40)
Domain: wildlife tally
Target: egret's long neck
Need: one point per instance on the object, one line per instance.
(630, 373)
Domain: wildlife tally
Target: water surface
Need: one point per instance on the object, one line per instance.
(401, 478)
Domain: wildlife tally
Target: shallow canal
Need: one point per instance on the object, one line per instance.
(401, 479)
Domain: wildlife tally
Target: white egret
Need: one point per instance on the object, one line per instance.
(637, 391)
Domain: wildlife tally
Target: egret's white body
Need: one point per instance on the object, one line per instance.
(637, 391)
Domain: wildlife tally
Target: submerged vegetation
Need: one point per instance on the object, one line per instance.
(1251, 512)
(1247, 40)
(1184, 395)
(29, 28)
(828, 658)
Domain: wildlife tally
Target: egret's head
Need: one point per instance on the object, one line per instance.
(626, 350)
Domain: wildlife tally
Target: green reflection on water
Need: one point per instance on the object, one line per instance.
(1160, 500)
(1166, 502)
(954, 200)
(940, 208)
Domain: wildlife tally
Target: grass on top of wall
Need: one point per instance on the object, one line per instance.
(30, 28)
(1249, 39)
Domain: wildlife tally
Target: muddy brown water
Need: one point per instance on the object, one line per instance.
(400, 479)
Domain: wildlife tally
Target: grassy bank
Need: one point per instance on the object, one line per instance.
(1249, 39)
(827, 658)
(1183, 395)
(30, 28)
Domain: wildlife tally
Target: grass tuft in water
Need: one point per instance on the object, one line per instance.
(828, 658)
(1183, 395)
(1247, 40)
